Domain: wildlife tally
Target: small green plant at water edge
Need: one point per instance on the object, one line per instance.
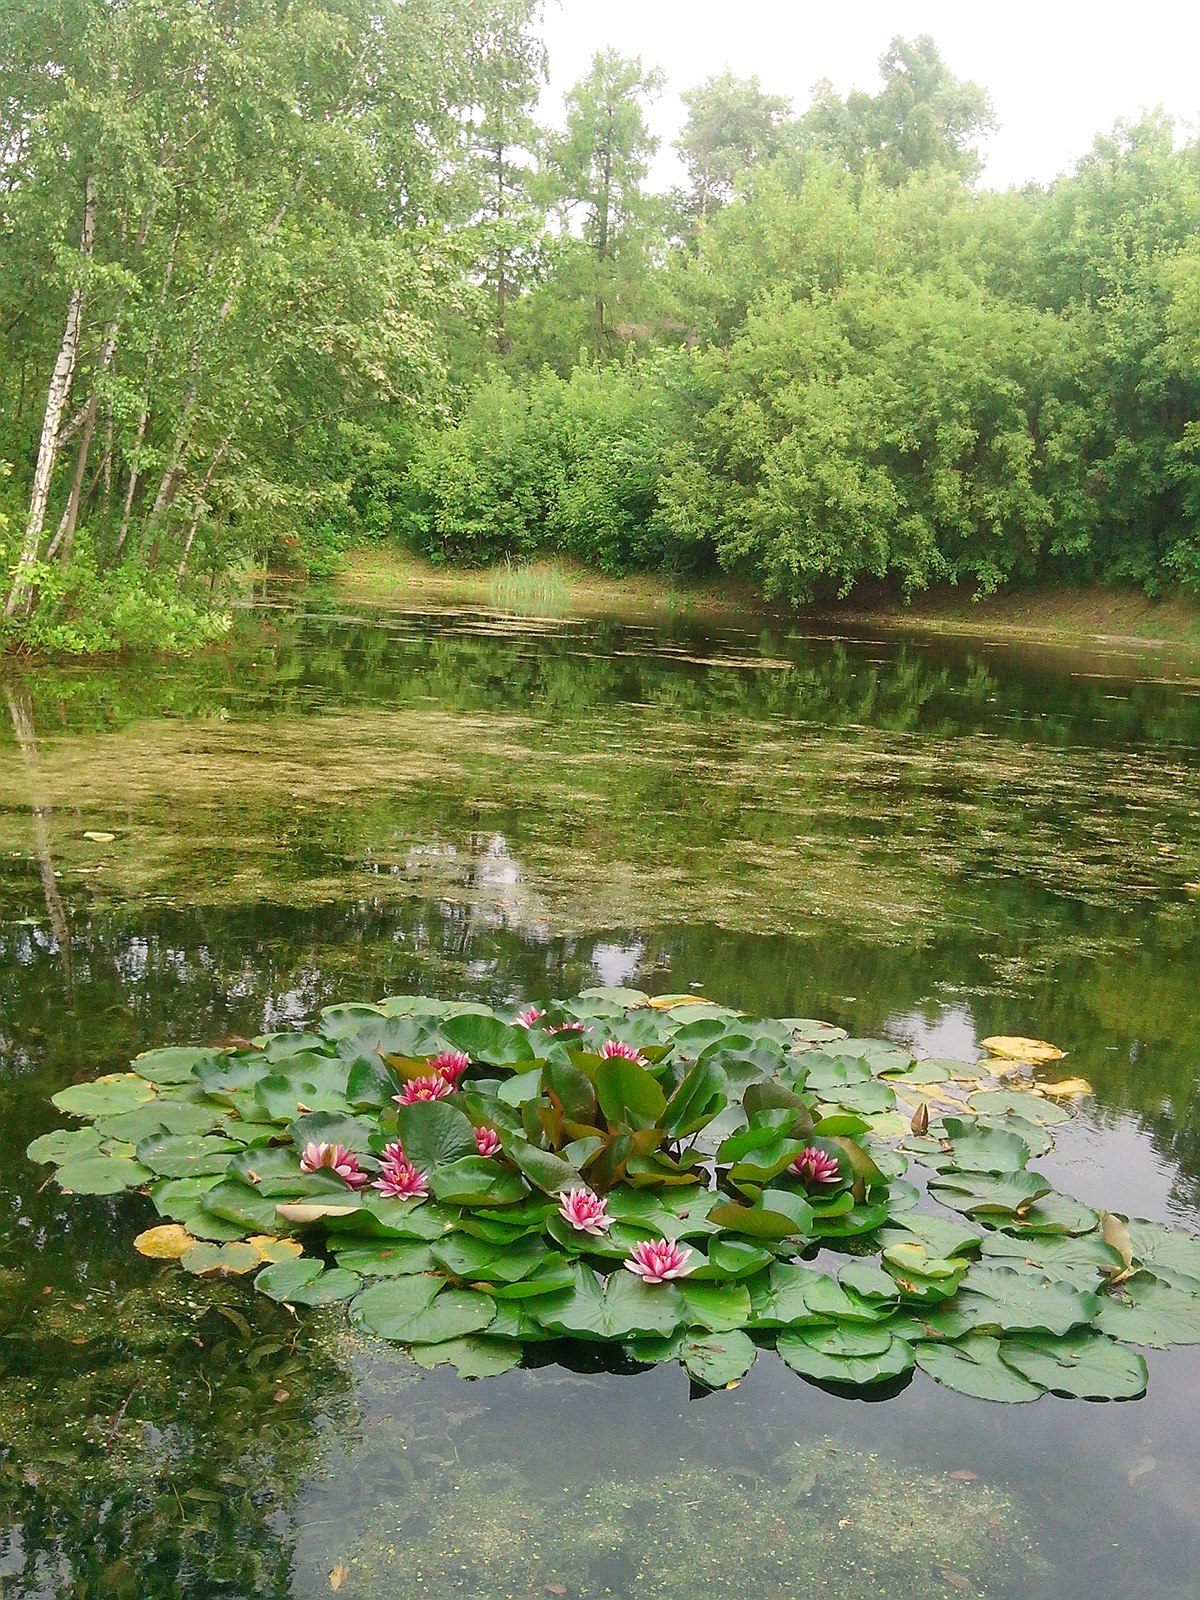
(655, 1175)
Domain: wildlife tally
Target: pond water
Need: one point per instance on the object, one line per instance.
(925, 839)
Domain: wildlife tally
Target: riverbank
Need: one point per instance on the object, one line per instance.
(1128, 620)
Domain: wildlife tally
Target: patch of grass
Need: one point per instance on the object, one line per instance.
(539, 590)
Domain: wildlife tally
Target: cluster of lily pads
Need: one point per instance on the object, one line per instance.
(665, 1175)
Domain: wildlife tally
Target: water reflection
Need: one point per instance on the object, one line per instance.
(934, 841)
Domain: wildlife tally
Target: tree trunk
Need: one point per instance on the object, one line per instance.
(66, 527)
(20, 596)
(198, 510)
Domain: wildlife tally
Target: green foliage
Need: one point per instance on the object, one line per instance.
(612, 1132)
(564, 466)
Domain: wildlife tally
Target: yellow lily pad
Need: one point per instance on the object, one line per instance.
(1015, 1048)
(97, 836)
(165, 1243)
(1066, 1088)
(272, 1249)
(664, 1002)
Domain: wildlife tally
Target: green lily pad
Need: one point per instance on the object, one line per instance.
(821, 1356)
(65, 1144)
(972, 1365)
(188, 1155)
(1021, 1302)
(718, 1360)
(620, 1307)
(479, 1357)
(118, 1091)
(1018, 1103)
(101, 1175)
(1148, 1311)
(420, 1311)
(1084, 1365)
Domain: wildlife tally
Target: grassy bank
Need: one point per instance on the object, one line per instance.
(1096, 616)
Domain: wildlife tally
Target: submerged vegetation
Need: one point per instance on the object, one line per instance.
(654, 1175)
(865, 1527)
(420, 319)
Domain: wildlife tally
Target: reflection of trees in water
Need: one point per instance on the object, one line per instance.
(20, 707)
(155, 1432)
(566, 672)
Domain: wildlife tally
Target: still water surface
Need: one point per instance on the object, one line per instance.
(925, 839)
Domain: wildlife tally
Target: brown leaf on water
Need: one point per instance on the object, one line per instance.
(957, 1580)
(554, 1588)
(965, 1475)
(338, 1576)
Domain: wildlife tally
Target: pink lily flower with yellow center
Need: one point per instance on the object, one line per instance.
(400, 1180)
(585, 1211)
(626, 1052)
(487, 1141)
(433, 1087)
(656, 1260)
(814, 1166)
(451, 1065)
(334, 1158)
(530, 1015)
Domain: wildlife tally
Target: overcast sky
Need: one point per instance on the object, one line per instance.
(1058, 72)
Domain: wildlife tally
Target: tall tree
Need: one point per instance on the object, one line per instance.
(923, 118)
(597, 166)
(731, 125)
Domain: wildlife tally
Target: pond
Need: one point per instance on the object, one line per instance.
(924, 839)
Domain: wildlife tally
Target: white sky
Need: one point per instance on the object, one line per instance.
(1058, 72)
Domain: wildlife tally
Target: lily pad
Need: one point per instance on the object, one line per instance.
(106, 1096)
(718, 1361)
(839, 1356)
(1084, 1365)
(972, 1365)
(101, 1175)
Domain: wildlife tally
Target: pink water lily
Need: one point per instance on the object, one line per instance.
(656, 1260)
(530, 1015)
(626, 1052)
(400, 1180)
(392, 1153)
(451, 1065)
(487, 1141)
(567, 1027)
(814, 1166)
(585, 1211)
(336, 1158)
(433, 1087)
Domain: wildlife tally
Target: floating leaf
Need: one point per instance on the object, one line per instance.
(1017, 1102)
(1083, 1364)
(101, 1175)
(419, 1311)
(1023, 1303)
(972, 1365)
(1015, 1048)
(479, 1357)
(720, 1360)
(65, 1144)
(164, 1243)
(1148, 1311)
(1067, 1088)
(619, 1307)
(830, 1357)
(116, 1091)
(206, 1259)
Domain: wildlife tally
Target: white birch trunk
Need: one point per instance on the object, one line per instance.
(20, 595)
